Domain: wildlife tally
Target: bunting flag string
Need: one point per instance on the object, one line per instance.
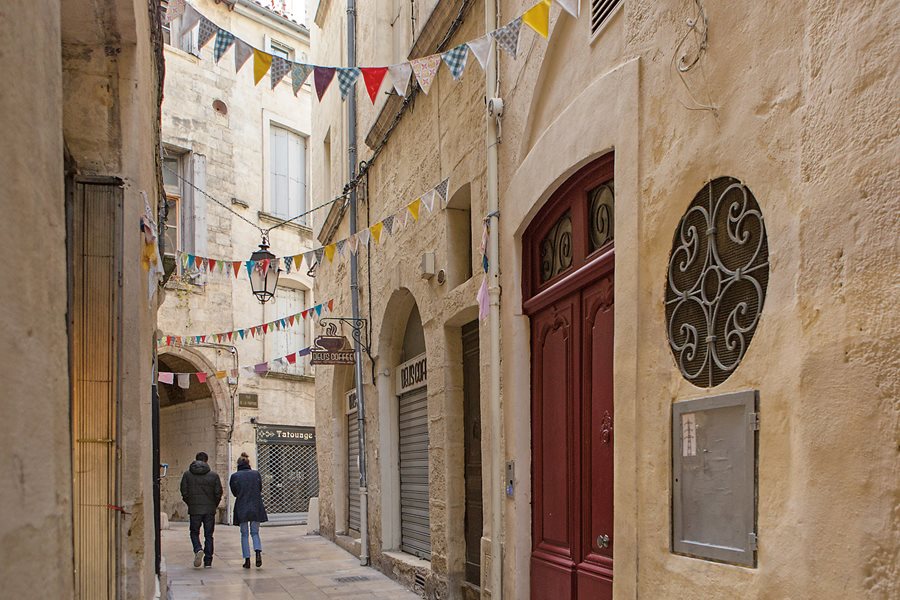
(281, 324)
(425, 68)
(183, 380)
(378, 232)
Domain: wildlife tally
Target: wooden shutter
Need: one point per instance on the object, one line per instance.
(94, 338)
(278, 171)
(198, 229)
(352, 463)
(289, 301)
(415, 529)
(296, 174)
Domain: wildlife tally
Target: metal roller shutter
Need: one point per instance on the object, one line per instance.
(352, 471)
(415, 531)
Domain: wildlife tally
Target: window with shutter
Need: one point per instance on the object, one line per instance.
(601, 13)
(288, 301)
(287, 173)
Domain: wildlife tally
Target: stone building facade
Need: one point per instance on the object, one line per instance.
(80, 169)
(610, 130)
(233, 140)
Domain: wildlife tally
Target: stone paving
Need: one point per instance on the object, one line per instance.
(296, 566)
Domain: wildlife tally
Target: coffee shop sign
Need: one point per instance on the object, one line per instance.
(412, 374)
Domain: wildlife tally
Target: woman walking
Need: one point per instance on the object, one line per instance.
(249, 512)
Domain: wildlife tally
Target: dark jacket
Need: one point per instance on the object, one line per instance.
(201, 489)
(246, 485)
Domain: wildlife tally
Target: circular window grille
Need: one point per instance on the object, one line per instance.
(717, 279)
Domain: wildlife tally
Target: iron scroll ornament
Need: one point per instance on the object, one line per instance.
(717, 279)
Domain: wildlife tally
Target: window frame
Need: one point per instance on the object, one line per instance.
(268, 206)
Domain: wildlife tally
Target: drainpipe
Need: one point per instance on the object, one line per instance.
(492, 90)
(354, 296)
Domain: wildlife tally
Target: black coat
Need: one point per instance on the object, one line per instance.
(201, 489)
(246, 485)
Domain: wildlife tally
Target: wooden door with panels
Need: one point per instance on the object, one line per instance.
(569, 296)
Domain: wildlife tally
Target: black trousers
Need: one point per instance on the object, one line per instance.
(209, 525)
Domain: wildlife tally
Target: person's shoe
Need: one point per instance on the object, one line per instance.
(258, 558)
(198, 559)
(207, 563)
(247, 563)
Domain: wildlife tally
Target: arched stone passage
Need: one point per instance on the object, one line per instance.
(191, 420)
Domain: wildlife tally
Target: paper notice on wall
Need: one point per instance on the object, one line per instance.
(689, 434)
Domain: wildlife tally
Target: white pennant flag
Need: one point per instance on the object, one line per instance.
(428, 200)
(353, 242)
(400, 75)
(242, 52)
(184, 380)
(481, 48)
(573, 7)
(191, 17)
(364, 236)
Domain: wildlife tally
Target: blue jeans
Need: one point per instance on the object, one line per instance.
(209, 525)
(251, 527)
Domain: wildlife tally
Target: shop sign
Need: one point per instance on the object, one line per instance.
(332, 350)
(286, 434)
(412, 375)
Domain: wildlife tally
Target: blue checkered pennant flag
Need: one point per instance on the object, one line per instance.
(299, 73)
(346, 79)
(280, 67)
(224, 40)
(207, 30)
(455, 60)
(508, 36)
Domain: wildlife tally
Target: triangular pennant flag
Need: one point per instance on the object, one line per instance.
(538, 18)
(236, 266)
(310, 258)
(207, 31)
(265, 328)
(428, 200)
(230, 335)
(201, 377)
(455, 59)
(322, 77)
(573, 7)
(481, 48)
(190, 261)
(224, 40)
(373, 76)
(330, 305)
(442, 189)
(364, 235)
(166, 377)
(341, 247)
(319, 310)
(248, 371)
(291, 358)
(413, 208)
(174, 10)
(242, 52)
(261, 368)
(425, 69)
(184, 380)
(303, 352)
(353, 243)
(288, 264)
(261, 63)
(508, 36)
(242, 333)
(400, 75)
(346, 79)
(280, 68)
(388, 223)
(191, 17)
(319, 253)
(329, 252)
(250, 265)
(299, 73)
(376, 231)
(198, 262)
(221, 374)
(212, 264)
(291, 320)
(184, 260)
(305, 313)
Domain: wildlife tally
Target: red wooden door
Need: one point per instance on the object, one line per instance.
(569, 297)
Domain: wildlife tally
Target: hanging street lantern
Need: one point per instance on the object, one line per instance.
(264, 274)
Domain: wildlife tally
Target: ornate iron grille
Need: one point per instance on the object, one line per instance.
(717, 279)
(601, 215)
(556, 248)
(290, 476)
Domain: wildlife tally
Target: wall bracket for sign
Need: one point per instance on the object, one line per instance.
(358, 329)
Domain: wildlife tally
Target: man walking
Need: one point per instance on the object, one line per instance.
(201, 490)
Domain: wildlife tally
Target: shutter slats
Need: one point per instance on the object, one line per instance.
(601, 10)
(353, 471)
(415, 524)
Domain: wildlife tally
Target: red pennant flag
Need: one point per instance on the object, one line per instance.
(265, 328)
(236, 265)
(291, 320)
(212, 263)
(292, 358)
(304, 313)
(330, 305)
(373, 76)
(230, 334)
(201, 377)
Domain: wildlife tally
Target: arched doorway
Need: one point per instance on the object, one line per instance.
(191, 420)
(568, 296)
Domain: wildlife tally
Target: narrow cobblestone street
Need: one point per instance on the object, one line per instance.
(296, 566)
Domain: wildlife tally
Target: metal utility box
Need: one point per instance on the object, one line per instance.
(714, 488)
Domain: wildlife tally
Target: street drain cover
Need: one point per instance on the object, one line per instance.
(351, 579)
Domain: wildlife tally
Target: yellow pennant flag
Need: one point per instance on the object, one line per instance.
(329, 251)
(261, 64)
(221, 374)
(376, 231)
(414, 207)
(538, 17)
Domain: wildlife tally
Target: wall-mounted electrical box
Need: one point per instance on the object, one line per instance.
(427, 268)
(714, 480)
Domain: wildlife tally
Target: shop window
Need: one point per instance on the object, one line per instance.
(460, 242)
